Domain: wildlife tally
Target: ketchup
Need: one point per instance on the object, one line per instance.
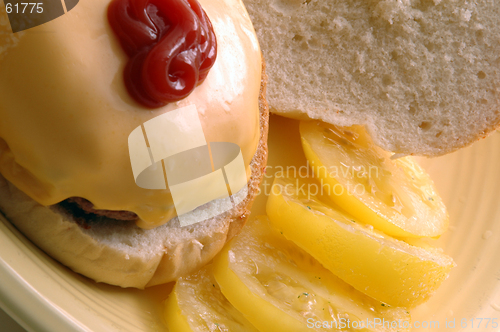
(171, 45)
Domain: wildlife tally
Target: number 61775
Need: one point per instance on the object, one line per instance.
(24, 7)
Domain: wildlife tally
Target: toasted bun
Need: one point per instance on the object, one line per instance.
(422, 75)
(122, 254)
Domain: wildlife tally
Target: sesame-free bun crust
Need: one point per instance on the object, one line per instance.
(423, 76)
(122, 254)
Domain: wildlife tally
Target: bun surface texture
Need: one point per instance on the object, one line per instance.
(422, 75)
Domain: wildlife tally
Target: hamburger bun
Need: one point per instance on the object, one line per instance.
(423, 76)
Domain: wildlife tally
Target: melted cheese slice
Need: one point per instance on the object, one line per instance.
(65, 115)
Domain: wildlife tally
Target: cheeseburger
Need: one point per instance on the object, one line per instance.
(72, 92)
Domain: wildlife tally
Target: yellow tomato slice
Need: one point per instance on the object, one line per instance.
(197, 304)
(387, 269)
(279, 287)
(395, 196)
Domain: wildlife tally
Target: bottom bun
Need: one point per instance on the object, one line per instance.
(120, 253)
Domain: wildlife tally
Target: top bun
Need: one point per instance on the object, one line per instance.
(422, 75)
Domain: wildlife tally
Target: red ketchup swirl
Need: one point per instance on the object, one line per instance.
(171, 45)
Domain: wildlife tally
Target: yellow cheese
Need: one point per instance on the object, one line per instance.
(65, 114)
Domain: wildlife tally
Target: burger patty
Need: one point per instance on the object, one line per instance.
(88, 208)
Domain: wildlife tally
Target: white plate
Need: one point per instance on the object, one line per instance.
(42, 295)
